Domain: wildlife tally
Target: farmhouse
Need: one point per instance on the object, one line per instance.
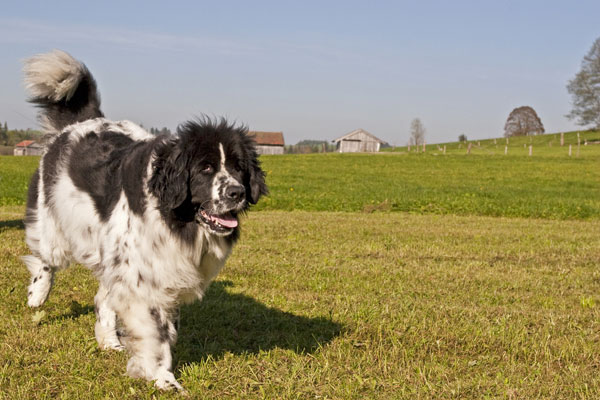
(28, 148)
(356, 141)
(268, 142)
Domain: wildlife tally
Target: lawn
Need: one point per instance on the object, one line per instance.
(339, 290)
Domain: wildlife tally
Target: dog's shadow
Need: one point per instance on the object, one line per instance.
(11, 224)
(225, 322)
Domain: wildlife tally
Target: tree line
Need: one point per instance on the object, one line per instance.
(10, 137)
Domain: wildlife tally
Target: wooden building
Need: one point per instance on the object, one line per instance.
(268, 142)
(28, 148)
(358, 141)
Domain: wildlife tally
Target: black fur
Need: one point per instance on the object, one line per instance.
(32, 198)
(51, 160)
(105, 164)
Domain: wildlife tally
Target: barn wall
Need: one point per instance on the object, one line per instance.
(352, 146)
(349, 146)
(262, 149)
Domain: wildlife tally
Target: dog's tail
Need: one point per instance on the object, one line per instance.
(63, 88)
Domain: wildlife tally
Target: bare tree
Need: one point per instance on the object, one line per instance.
(417, 132)
(523, 121)
(585, 89)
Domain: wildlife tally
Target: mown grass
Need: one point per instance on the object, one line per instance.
(342, 305)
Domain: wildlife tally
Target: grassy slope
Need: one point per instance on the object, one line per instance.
(343, 305)
(548, 144)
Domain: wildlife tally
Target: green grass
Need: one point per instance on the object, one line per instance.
(342, 305)
(15, 173)
(543, 186)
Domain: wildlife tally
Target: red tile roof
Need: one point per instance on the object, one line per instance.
(25, 143)
(268, 138)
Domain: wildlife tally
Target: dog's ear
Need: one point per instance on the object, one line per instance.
(170, 179)
(257, 184)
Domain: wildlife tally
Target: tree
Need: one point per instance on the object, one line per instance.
(4, 134)
(417, 132)
(585, 90)
(462, 137)
(523, 121)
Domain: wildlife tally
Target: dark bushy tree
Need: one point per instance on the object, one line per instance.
(585, 90)
(523, 121)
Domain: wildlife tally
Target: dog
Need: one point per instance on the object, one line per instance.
(153, 217)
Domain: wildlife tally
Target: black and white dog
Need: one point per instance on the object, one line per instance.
(154, 217)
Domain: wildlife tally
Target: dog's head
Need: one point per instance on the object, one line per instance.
(208, 173)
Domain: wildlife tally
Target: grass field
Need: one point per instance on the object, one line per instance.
(364, 276)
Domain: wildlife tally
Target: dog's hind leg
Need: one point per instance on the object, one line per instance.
(42, 277)
(106, 322)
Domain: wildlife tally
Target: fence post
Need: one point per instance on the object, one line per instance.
(570, 150)
(530, 150)
(469, 148)
(444, 149)
(423, 146)
(562, 138)
(505, 150)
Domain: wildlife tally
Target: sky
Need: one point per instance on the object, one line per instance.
(311, 69)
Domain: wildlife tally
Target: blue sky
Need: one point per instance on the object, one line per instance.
(314, 70)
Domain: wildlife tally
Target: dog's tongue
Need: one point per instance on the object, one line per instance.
(225, 220)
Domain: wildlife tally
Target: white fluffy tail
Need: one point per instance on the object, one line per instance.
(63, 88)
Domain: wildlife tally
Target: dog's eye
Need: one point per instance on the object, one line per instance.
(207, 169)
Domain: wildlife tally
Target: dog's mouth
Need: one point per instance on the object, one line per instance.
(221, 224)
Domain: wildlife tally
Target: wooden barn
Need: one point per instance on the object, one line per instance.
(268, 142)
(28, 148)
(358, 141)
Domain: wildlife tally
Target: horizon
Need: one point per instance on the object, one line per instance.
(313, 71)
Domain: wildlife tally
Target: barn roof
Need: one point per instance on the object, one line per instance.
(357, 131)
(267, 138)
(25, 143)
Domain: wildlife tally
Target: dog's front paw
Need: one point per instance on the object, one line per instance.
(37, 295)
(167, 381)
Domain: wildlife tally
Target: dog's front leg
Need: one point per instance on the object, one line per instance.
(150, 333)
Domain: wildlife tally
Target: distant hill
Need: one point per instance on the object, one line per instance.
(549, 144)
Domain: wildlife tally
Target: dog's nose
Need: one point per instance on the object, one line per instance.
(235, 192)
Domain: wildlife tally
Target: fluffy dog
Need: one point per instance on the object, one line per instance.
(154, 217)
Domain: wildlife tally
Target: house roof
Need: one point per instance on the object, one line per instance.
(357, 131)
(267, 138)
(25, 143)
